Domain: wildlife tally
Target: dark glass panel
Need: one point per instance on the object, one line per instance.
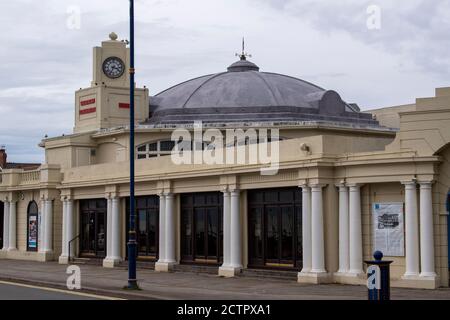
(187, 225)
(153, 147)
(166, 145)
(101, 234)
(199, 199)
(298, 210)
(141, 203)
(142, 231)
(142, 148)
(271, 196)
(141, 156)
(286, 196)
(213, 226)
(152, 232)
(256, 197)
(256, 233)
(287, 233)
(199, 232)
(272, 230)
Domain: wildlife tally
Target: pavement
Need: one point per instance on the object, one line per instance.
(190, 286)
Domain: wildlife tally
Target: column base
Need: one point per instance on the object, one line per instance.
(45, 256)
(352, 278)
(111, 262)
(11, 249)
(229, 271)
(313, 277)
(164, 266)
(417, 281)
(63, 260)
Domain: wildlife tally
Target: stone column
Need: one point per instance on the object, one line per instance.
(226, 228)
(64, 247)
(70, 231)
(317, 235)
(344, 245)
(426, 231)
(355, 235)
(115, 228)
(5, 226)
(43, 246)
(306, 228)
(108, 227)
(113, 233)
(170, 229)
(12, 235)
(48, 229)
(162, 228)
(411, 230)
(235, 232)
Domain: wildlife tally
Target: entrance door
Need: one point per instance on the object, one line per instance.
(147, 226)
(201, 227)
(1, 224)
(93, 228)
(274, 220)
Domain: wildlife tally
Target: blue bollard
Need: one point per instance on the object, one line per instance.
(378, 278)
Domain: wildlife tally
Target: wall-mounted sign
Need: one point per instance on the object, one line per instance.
(88, 110)
(32, 231)
(87, 102)
(388, 229)
(124, 106)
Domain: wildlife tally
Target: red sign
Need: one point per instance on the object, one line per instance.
(124, 105)
(89, 110)
(87, 102)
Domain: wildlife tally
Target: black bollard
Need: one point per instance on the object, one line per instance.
(378, 284)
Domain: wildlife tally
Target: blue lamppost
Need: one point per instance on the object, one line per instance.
(132, 281)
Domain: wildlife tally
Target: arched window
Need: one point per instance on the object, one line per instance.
(32, 226)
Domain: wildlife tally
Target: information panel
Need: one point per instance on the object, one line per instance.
(388, 228)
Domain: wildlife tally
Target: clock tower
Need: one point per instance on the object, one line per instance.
(106, 103)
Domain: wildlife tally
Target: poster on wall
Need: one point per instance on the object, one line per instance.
(32, 232)
(388, 229)
(39, 230)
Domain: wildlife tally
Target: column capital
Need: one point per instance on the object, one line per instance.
(317, 186)
(355, 185)
(305, 187)
(409, 183)
(426, 183)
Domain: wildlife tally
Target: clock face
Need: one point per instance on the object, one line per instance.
(113, 67)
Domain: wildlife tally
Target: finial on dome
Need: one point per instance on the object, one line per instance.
(113, 36)
(243, 56)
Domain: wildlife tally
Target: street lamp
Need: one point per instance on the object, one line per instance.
(132, 281)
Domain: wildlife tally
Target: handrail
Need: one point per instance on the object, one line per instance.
(70, 242)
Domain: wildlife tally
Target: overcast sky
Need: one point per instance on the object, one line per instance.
(327, 42)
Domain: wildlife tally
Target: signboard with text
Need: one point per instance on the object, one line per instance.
(388, 228)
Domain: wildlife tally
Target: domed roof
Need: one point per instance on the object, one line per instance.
(245, 94)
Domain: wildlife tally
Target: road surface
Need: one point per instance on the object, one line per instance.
(15, 291)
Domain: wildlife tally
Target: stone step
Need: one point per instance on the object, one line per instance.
(148, 265)
(270, 274)
(87, 261)
(196, 268)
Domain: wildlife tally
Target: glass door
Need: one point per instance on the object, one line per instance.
(274, 228)
(147, 226)
(93, 228)
(201, 227)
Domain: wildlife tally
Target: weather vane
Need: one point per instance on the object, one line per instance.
(244, 54)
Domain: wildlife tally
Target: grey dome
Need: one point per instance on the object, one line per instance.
(244, 94)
